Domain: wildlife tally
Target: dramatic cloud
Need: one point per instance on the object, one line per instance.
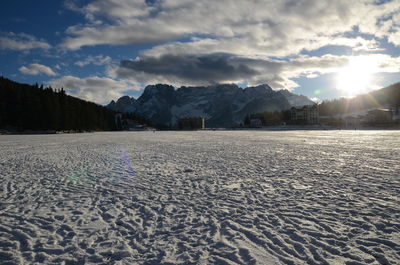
(229, 68)
(95, 60)
(37, 69)
(241, 46)
(209, 68)
(203, 42)
(223, 68)
(269, 27)
(21, 41)
(98, 89)
(385, 23)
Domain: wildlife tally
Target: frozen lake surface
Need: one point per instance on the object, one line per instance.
(223, 197)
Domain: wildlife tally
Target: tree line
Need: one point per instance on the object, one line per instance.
(269, 118)
(34, 107)
(387, 96)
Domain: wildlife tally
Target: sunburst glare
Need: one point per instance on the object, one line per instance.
(357, 77)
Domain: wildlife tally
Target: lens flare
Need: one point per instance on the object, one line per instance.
(126, 158)
(356, 77)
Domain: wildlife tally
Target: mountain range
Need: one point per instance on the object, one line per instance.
(220, 105)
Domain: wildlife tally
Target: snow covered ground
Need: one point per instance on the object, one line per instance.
(223, 197)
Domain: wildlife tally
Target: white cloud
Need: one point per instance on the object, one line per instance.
(97, 89)
(241, 46)
(270, 27)
(21, 42)
(37, 69)
(96, 60)
(386, 23)
(201, 42)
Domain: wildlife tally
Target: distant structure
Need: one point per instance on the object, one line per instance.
(377, 116)
(118, 121)
(352, 121)
(305, 115)
(192, 123)
(396, 114)
(370, 117)
(126, 124)
(255, 123)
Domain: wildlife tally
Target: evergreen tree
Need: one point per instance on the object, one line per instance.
(26, 107)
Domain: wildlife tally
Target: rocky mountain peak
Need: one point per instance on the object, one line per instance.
(121, 104)
(220, 105)
(125, 100)
(158, 89)
(261, 89)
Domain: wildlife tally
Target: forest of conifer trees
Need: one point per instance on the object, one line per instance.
(32, 107)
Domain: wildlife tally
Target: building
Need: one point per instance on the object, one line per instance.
(255, 123)
(131, 125)
(396, 114)
(379, 116)
(352, 121)
(305, 115)
(118, 121)
(126, 124)
(196, 123)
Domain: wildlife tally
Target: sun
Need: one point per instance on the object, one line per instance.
(356, 77)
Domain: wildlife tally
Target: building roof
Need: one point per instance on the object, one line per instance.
(304, 107)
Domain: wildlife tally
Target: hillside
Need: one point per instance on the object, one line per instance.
(382, 98)
(30, 107)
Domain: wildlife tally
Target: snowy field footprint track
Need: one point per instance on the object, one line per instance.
(234, 197)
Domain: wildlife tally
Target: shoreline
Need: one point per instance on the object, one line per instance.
(41, 132)
(316, 128)
(266, 128)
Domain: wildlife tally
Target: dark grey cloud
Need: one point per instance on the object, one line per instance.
(211, 68)
(200, 69)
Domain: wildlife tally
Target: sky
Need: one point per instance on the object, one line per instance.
(99, 50)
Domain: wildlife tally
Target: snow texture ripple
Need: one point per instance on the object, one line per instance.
(223, 197)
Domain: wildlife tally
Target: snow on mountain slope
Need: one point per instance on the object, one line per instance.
(296, 100)
(121, 104)
(220, 105)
